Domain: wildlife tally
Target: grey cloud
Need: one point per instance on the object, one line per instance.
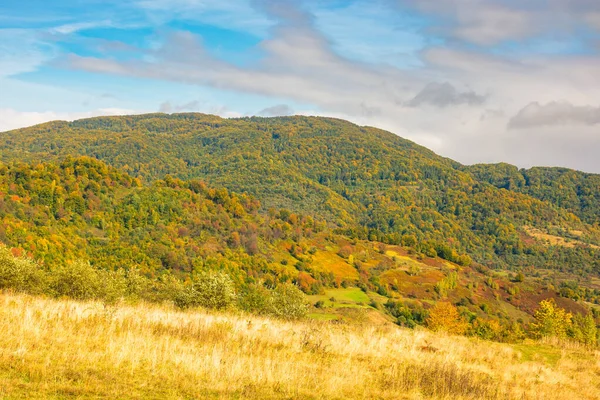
(284, 10)
(167, 107)
(444, 95)
(554, 113)
(486, 22)
(276, 111)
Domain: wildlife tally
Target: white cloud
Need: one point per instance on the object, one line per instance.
(13, 119)
(68, 29)
(22, 51)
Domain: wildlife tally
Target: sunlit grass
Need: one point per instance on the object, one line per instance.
(66, 349)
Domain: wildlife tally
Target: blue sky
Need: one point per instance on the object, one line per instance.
(475, 80)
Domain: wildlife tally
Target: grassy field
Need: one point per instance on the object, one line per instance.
(67, 349)
(557, 240)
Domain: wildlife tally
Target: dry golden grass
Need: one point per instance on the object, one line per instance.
(557, 240)
(63, 349)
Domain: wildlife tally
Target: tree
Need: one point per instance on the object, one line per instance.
(444, 317)
(584, 329)
(551, 320)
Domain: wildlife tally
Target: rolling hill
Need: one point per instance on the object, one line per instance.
(370, 183)
(368, 224)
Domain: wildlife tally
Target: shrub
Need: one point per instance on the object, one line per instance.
(165, 289)
(113, 286)
(519, 277)
(288, 302)
(137, 285)
(78, 280)
(584, 329)
(213, 290)
(551, 320)
(20, 274)
(486, 329)
(414, 270)
(255, 299)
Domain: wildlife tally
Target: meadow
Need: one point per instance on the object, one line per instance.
(58, 348)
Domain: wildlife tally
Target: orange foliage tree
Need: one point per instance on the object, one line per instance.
(444, 317)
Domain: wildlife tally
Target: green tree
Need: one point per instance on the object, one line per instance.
(584, 329)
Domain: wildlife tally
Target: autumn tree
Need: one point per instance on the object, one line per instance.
(444, 317)
(551, 320)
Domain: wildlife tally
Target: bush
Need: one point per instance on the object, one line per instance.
(255, 299)
(288, 302)
(20, 274)
(165, 289)
(113, 286)
(137, 285)
(213, 290)
(551, 320)
(78, 280)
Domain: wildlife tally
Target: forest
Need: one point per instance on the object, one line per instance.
(317, 203)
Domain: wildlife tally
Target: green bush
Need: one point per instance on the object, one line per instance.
(137, 285)
(20, 274)
(288, 302)
(213, 290)
(164, 289)
(113, 286)
(78, 280)
(81, 281)
(255, 299)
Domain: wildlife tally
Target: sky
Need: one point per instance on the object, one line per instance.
(479, 81)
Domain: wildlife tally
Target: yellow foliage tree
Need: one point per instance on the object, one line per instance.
(551, 320)
(444, 317)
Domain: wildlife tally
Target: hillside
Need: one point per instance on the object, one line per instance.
(370, 184)
(171, 230)
(62, 349)
(575, 191)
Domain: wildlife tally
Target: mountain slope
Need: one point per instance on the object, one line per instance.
(575, 191)
(82, 209)
(369, 183)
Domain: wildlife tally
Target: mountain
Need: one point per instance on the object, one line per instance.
(359, 219)
(368, 183)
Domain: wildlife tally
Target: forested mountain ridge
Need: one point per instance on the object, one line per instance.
(369, 183)
(575, 191)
